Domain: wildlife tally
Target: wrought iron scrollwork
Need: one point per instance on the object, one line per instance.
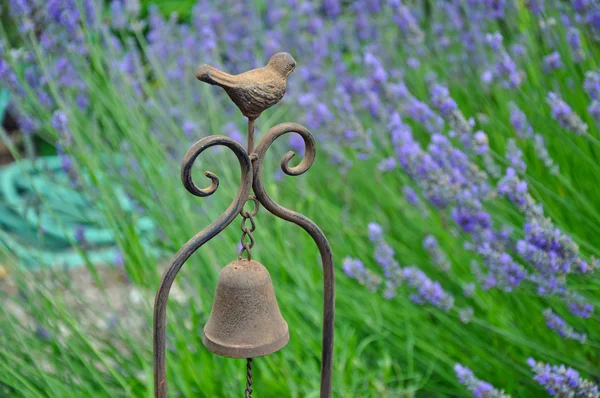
(160, 305)
(308, 225)
(251, 167)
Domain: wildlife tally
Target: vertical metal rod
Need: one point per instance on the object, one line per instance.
(251, 135)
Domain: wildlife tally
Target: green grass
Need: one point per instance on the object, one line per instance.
(383, 348)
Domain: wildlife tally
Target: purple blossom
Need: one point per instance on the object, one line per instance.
(42, 333)
(469, 289)
(594, 110)
(118, 16)
(565, 116)
(420, 112)
(507, 69)
(387, 164)
(427, 291)
(189, 128)
(375, 232)
(536, 6)
(591, 84)
(410, 195)
(332, 8)
(562, 381)
(514, 155)
(438, 256)
(378, 73)
(578, 306)
(479, 388)
(406, 21)
(560, 326)
(355, 269)
(552, 62)
(495, 8)
(543, 154)
(440, 98)
(494, 40)
(480, 142)
(574, 40)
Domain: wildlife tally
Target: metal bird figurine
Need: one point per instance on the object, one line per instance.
(255, 90)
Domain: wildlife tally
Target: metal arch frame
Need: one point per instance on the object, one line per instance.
(251, 167)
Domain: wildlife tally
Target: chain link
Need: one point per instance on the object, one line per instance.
(247, 239)
(247, 242)
(248, 392)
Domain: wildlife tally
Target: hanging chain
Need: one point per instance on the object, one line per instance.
(247, 239)
(248, 392)
(247, 242)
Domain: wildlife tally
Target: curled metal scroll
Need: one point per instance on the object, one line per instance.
(162, 296)
(308, 225)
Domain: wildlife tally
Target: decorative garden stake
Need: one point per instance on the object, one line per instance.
(245, 321)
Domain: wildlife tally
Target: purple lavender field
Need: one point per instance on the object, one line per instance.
(456, 179)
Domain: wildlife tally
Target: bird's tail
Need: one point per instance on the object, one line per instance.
(211, 75)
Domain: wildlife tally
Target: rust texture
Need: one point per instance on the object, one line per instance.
(255, 90)
(245, 321)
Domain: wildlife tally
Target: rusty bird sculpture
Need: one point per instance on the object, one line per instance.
(255, 90)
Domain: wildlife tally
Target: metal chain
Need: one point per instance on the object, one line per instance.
(248, 392)
(247, 239)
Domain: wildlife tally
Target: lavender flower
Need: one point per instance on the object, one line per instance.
(387, 164)
(506, 69)
(462, 128)
(514, 155)
(591, 84)
(561, 381)
(439, 257)
(536, 6)
(406, 21)
(428, 291)
(468, 289)
(61, 124)
(332, 8)
(519, 121)
(42, 333)
(543, 154)
(479, 388)
(410, 195)
(413, 198)
(552, 253)
(440, 98)
(560, 326)
(578, 306)
(355, 269)
(594, 110)
(384, 253)
(375, 232)
(574, 40)
(494, 40)
(565, 116)
(189, 128)
(552, 62)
